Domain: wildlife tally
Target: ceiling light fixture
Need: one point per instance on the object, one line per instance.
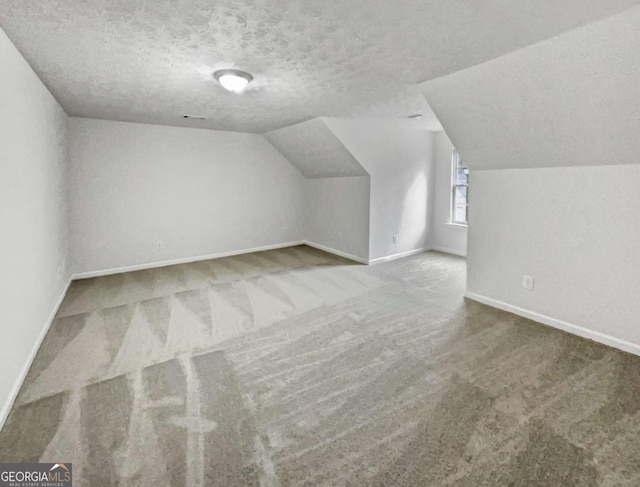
(233, 80)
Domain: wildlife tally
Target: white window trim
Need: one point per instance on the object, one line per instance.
(452, 203)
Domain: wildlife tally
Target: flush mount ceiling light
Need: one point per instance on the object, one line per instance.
(233, 80)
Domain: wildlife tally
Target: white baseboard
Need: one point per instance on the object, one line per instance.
(186, 260)
(400, 255)
(336, 252)
(6, 407)
(445, 250)
(596, 336)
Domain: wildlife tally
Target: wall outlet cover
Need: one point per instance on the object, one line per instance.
(528, 282)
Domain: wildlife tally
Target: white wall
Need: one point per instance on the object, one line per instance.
(539, 128)
(338, 214)
(444, 236)
(575, 230)
(201, 192)
(398, 158)
(33, 214)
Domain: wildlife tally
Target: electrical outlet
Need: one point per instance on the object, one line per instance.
(528, 282)
(160, 245)
(395, 239)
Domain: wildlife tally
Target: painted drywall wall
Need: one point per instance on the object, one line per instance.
(200, 192)
(338, 214)
(33, 214)
(444, 236)
(549, 133)
(399, 160)
(314, 149)
(575, 230)
(571, 100)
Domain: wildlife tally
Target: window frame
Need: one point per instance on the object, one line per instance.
(455, 159)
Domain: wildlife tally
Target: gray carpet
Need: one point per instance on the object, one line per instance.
(295, 367)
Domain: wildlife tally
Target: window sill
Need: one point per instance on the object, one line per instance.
(459, 225)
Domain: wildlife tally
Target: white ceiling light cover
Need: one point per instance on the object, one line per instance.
(233, 80)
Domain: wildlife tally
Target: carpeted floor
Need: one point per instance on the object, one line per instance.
(295, 367)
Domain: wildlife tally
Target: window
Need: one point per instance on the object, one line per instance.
(459, 190)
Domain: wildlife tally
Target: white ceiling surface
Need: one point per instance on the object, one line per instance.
(315, 150)
(569, 101)
(151, 60)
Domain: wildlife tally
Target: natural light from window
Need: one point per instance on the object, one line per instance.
(459, 190)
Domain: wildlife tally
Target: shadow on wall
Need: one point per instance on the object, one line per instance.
(414, 218)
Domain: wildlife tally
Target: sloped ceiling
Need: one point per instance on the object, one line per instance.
(571, 100)
(314, 149)
(151, 60)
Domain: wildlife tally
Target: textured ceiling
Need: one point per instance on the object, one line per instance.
(314, 149)
(569, 101)
(151, 60)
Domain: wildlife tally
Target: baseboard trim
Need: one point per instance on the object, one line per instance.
(185, 260)
(596, 336)
(339, 253)
(400, 255)
(445, 250)
(13, 395)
